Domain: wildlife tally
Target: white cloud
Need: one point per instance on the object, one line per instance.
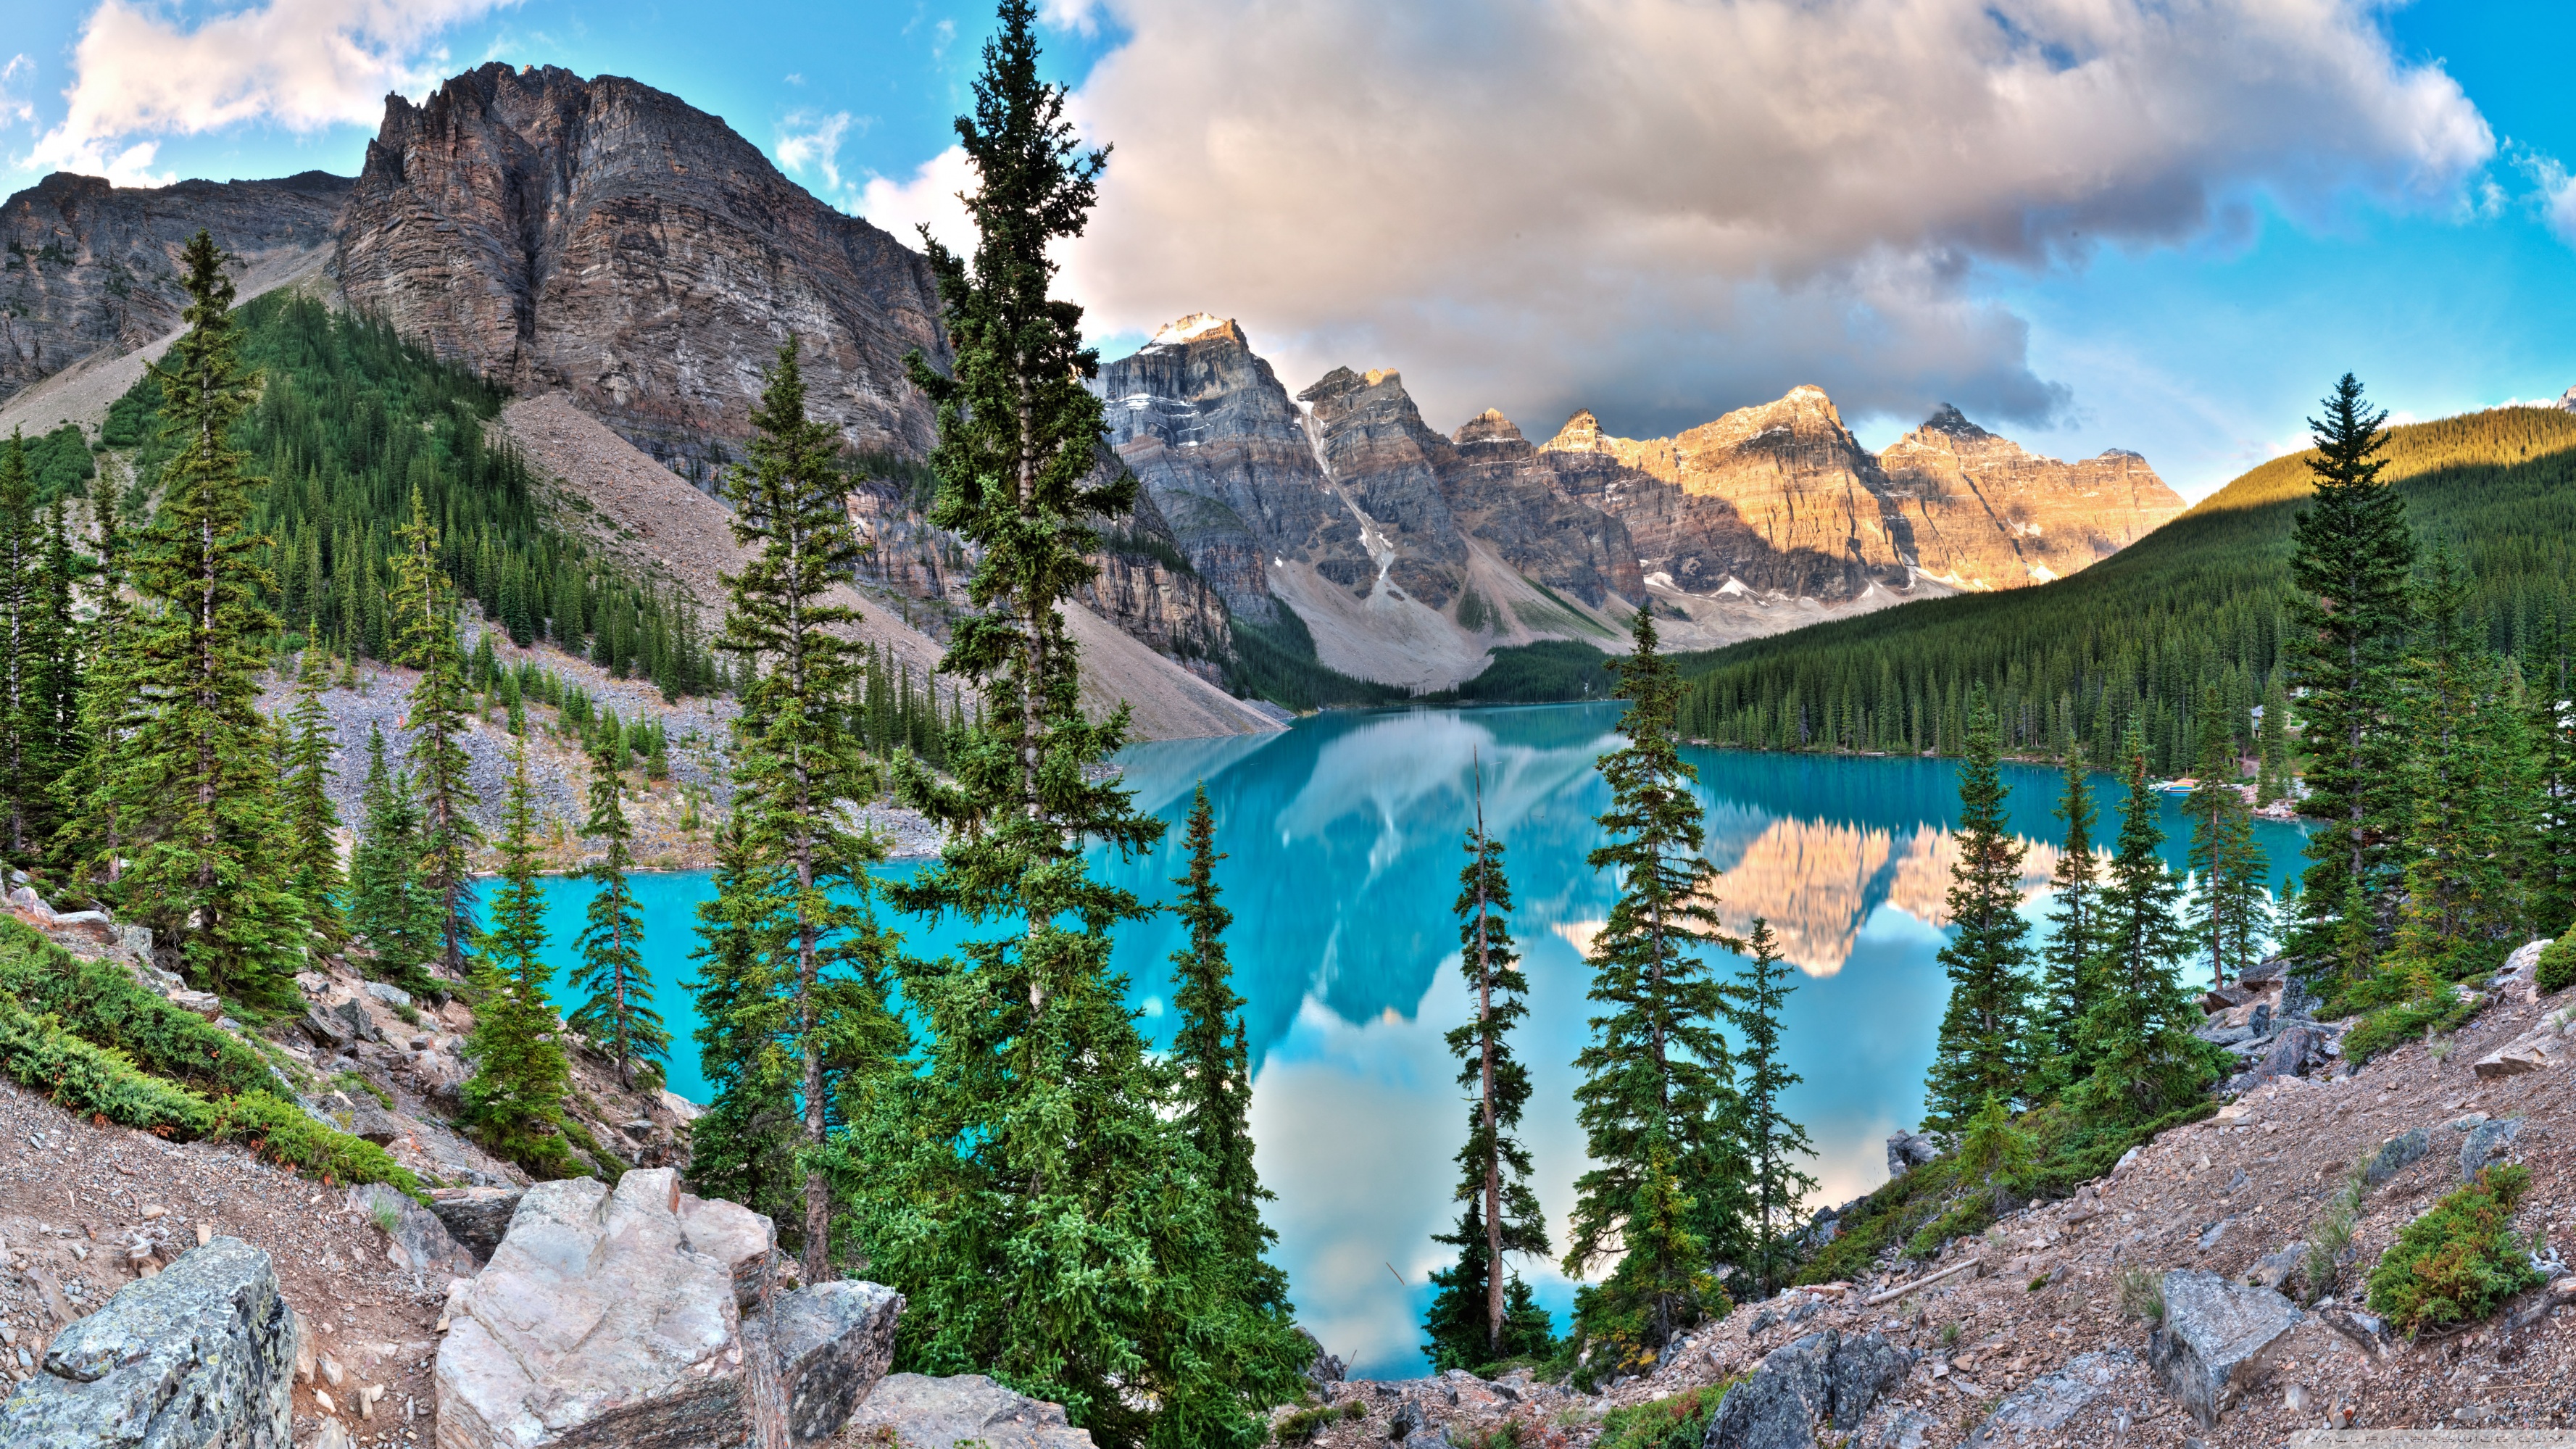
(1663, 207)
(810, 145)
(17, 97)
(300, 64)
(1077, 15)
(929, 198)
(2557, 195)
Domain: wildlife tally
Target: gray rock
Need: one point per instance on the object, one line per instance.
(1909, 1150)
(2210, 1235)
(2398, 1154)
(733, 1235)
(327, 1028)
(2276, 1269)
(1779, 1405)
(1408, 1421)
(2217, 1337)
(600, 1320)
(970, 1408)
(2259, 1023)
(2042, 1405)
(829, 1345)
(2295, 1052)
(2223, 1035)
(418, 1234)
(1863, 1367)
(388, 993)
(476, 1217)
(1323, 1368)
(2486, 1142)
(1910, 1429)
(203, 1353)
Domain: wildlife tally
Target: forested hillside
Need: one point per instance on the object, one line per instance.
(350, 420)
(2205, 600)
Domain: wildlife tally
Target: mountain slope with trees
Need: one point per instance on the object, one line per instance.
(2205, 600)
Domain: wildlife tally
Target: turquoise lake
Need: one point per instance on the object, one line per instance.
(1343, 837)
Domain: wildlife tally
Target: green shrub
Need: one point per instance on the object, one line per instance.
(2558, 964)
(1678, 1422)
(283, 1133)
(94, 1081)
(100, 1002)
(1305, 1424)
(2459, 1261)
(2394, 1026)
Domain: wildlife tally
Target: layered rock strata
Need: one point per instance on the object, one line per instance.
(607, 238)
(203, 1352)
(1986, 514)
(87, 267)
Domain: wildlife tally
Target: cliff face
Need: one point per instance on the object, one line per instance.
(1512, 497)
(1206, 427)
(604, 237)
(1985, 514)
(1778, 498)
(85, 266)
(1373, 441)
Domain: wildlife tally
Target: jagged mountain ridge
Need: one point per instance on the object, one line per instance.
(1408, 554)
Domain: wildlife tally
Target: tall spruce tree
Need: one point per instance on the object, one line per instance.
(1769, 1142)
(1984, 1043)
(23, 707)
(1494, 1165)
(1665, 1188)
(1213, 1057)
(1024, 1189)
(2550, 696)
(2138, 1035)
(52, 734)
(2230, 909)
(423, 603)
(797, 770)
(387, 904)
(2469, 788)
(312, 843)
(2070, 961)
(744, 1148)
(90, 845)
(196, 775)
(514, 1099)
(2272, 780)
(618, 1016)
(2350, 559)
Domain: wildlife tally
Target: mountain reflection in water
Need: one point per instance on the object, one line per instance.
(1343, 842)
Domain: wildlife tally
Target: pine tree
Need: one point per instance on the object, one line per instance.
(423, 602)
(91, 844)
(1024, 1190)
(53, 742)
(2550, 698)
(2351, 557)
(22, 705)
(2273, 780)
(618, 1018)
(387, 904)
(312, 842)
(1459, 1323)
(205, 873)
(2138, 1035)
(514, 1100)
(744, 1148)
(1768, 1141)
(1214, 1059)
(1983, 1049)
(1657, 1081)
(1494, 1166)
(796, 770)
(2469, 790)
(2070, 963)
(2230, 910)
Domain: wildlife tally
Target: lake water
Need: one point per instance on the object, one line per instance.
(1343, 836)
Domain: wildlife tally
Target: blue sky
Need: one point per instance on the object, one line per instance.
(2159, 226)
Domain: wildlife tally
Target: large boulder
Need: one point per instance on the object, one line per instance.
(202, 1353)
(1824, 1377)
(418, 1239)
(1909, 1150)
(912, 1411)
(617, 1317)
(2398, 1154)
(2217, 1338)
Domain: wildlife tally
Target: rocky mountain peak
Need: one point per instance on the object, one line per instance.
(1193, 327)
(1581, 434)
(1948, 419)
(1490, 430)
(596, 236)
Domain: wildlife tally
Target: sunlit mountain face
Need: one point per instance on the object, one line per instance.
(1343, 838)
